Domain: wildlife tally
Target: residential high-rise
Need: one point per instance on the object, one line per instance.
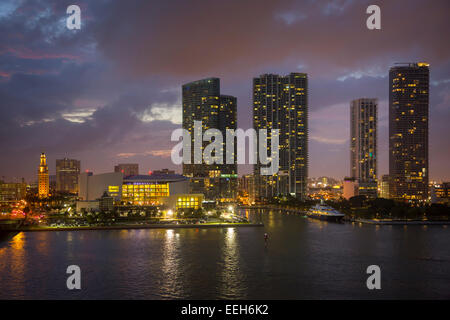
(408, 130)
(363, 145)
(128, 169)
(281, 102)
(43, 180)
(67, 171)
(202, 101)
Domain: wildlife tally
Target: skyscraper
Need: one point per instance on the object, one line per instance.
(202, 101)
(67, 171)
(363, 145)
(281, 102)
(43, 180)
(408, 130)
(128, 169)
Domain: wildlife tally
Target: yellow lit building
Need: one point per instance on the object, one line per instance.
(144, 193)
(43, 179)
(140, 190)
(184, 201)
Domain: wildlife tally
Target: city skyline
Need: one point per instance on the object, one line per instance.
(110, 105)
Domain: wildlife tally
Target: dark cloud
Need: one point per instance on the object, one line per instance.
(106, 93)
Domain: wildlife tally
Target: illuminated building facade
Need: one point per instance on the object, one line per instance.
(140, 190)
(184, 201)
(67, 171)
(408, 131)
(12, 191)
(202, 101)
(43, 179)
(363, 145)
(384, 187)
(440, 193)
(128, 169)
(281, 102)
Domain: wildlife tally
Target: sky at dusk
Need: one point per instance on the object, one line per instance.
(111, 92)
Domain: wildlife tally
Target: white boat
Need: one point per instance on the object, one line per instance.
(324, 212)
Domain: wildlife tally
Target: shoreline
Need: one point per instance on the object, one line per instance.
(401, 222)
(126, 227)
(348, 219)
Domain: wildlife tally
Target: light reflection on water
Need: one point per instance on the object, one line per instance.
(303, 259)
(232, 282)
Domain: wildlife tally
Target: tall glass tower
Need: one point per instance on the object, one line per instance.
(281, 102)
(408, 130)
(363, 145)
(202, 101)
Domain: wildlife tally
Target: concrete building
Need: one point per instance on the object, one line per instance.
(363, 145)
(281, 102)
(132, 190)
(12, 191)
(202, 101)
(351, 187)
(128, 169)
(408, 131)
(67, 171)
(88, 206)
(92, 187)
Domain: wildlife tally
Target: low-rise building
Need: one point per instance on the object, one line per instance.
(12, 191)
(440, 193)
(351, 188)
(141, 190)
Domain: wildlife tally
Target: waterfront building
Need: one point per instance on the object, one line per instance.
(202, 101)
(408, 131)
(83, 206)
(176, 202)
(106, 203)
(67, 171)
(43, 178)
(440, 193)
(138, 190)
(128, 169)
(92, 187)
(363, 145)
(350, 187)
(281, 102)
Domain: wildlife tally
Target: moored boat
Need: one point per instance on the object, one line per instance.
(324, 212)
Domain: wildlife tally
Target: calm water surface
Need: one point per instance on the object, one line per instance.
(304, 259)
